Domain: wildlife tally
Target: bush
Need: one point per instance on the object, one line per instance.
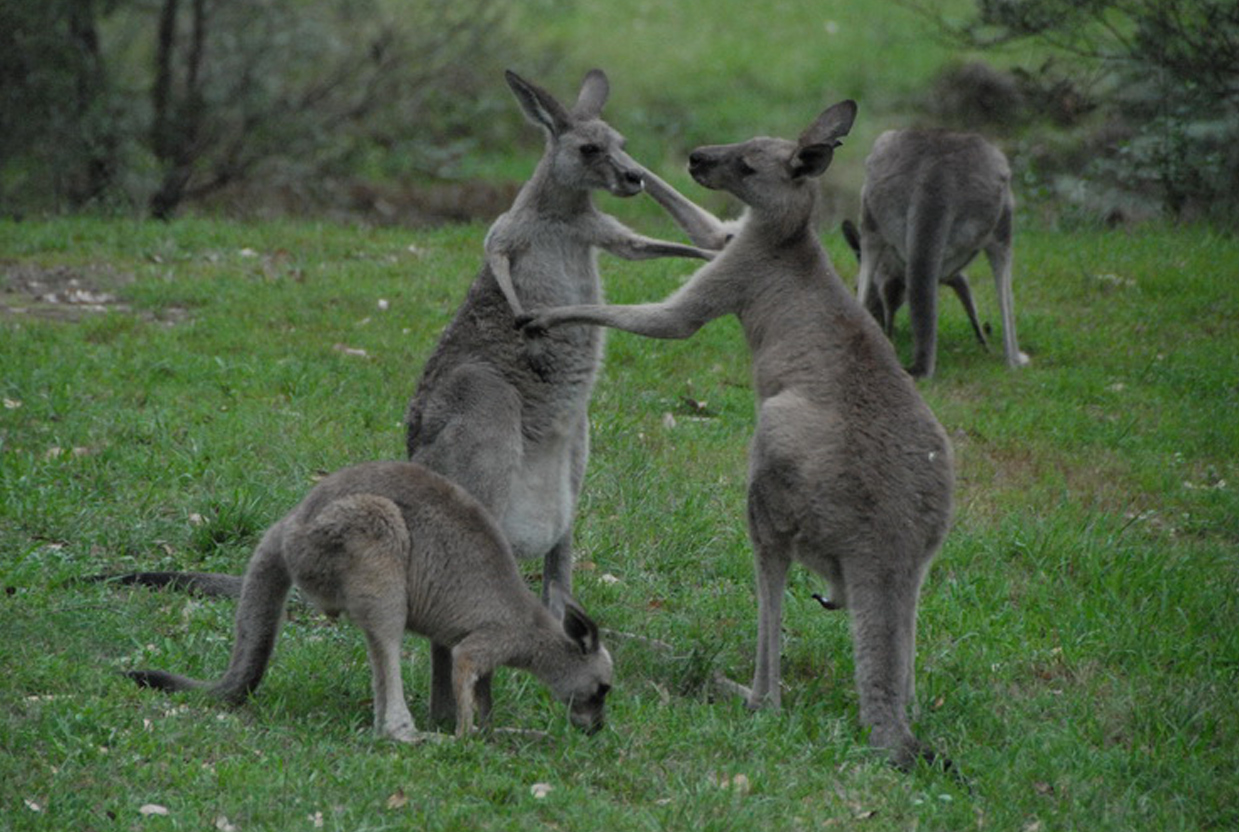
(155, 103)
(1165, 77)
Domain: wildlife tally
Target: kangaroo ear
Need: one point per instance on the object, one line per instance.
(539, 106)
(578, 626)
(594, 91)
(852, 234)
(817, 144)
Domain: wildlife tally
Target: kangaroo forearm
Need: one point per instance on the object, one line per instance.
(647, 248)
(702, 227)
(653, 320)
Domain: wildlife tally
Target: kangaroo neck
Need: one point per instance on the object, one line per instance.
(779, 230)
(546, 197)
(542, 652)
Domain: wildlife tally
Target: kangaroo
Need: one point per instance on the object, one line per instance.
(849, 471)
(890, 283)
(398, 547)
(931, 201)
(507, 418)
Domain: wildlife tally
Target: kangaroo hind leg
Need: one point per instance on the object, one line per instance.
(772, 553)
(883, 601)
(357, 561)
(959, 283)
(998, 252)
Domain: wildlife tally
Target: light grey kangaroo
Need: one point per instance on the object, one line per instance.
(889, 285)
(507, 418)
(849, 471)
(931, 201)
(398, 547)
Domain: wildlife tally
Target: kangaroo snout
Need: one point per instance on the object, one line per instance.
(627, 182)
(702, 162)
(590, 721)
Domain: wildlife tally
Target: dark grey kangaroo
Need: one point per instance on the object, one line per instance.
(849, 471)
(507, 418)
(398, 547)
(932, 200)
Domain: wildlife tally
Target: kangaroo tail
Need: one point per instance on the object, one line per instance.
(926, 247)
(264, 590)
(208, 584)
(162, 680)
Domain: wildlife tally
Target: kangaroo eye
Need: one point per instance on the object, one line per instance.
(589, 151)
(744, 168)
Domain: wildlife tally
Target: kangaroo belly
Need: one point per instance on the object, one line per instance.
(542, 496)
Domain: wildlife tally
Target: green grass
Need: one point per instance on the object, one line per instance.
(684, 75)
(1078, 648)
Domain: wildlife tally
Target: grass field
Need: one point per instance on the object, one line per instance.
(168, 391)
(1078, 648)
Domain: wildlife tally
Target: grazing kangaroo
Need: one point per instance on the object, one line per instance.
(507, 418)
(849, 471)
(889, 285)
(398, 547)
(931, 201)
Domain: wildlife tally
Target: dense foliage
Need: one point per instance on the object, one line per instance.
(152, 102)
(1164, 75)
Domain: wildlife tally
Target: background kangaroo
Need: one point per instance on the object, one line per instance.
(399, 547)
(506, 418)
(931, 201)
(849, 471)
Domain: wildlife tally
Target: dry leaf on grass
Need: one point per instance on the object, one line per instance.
(738, 783)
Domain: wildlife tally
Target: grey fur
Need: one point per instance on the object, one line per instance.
(505, 418)
(932, 200)
(398, 547)
(849, 471)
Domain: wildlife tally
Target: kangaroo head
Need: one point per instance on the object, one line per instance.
(774, 174)
(583, 151)
(582, 679)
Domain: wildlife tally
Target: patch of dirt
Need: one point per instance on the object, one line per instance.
(60, 293)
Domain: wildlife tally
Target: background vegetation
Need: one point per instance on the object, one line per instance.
(395, 112)
(167, 390)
